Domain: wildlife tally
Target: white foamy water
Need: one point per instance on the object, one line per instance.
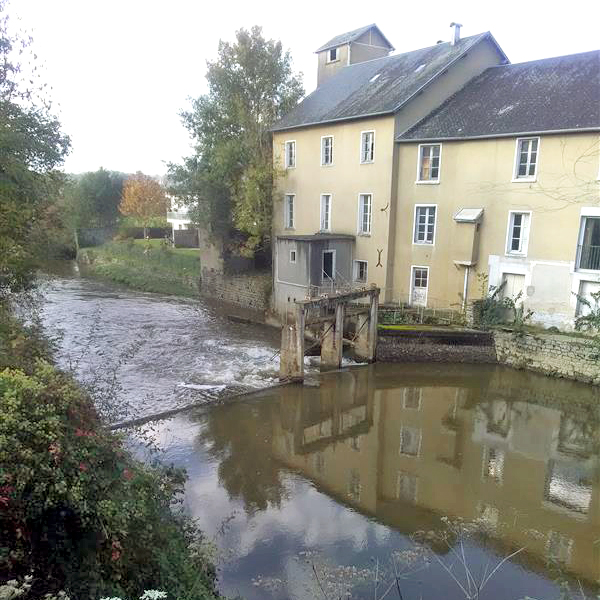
(165, 352)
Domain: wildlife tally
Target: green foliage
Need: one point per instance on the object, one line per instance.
(494, 309)
(92, 199)
(148, 265)
(228, 182)
(31, 148)
(76, 511)
(591, 320)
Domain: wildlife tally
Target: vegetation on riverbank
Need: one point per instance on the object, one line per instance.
(77, 512)
(147, 265)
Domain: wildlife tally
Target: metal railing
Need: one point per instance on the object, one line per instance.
(180, 215)
(589, 257)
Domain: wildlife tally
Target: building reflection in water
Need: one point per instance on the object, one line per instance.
(520, 456)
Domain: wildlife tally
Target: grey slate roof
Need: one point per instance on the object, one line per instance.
(350, 36)
(551, 94)
(351, 93)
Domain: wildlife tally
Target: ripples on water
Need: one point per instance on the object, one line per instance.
(167, 352)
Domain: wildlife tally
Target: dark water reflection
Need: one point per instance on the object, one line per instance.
(347, 472)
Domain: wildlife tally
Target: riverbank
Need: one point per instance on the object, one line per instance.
(146, 265)
(79, 513)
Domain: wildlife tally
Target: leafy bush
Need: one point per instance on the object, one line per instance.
(76, 510)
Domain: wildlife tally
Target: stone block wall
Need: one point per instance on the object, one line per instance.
(435, 346)
(251, 291)
(557, 355)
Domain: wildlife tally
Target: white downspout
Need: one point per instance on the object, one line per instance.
(465, 288)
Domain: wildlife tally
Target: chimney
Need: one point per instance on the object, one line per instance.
(455, 33)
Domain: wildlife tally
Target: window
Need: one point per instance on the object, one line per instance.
(424, 226)
(493, 464)
(332, 55)
(410, 441)
(293, 256)
(367, 146)
(428, 170)
(289, 211)
(365, 209)
(326, 150)
(588, 253)
(526, 159)
(360, 271)
(518, 233)
(290, 154)
(412, 398)
(325, 212)
(406, 486)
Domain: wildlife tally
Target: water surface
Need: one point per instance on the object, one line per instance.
(320, 490)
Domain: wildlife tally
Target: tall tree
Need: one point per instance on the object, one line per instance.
(92, 199)
(143, 198)
(228, 182)
(32, 146)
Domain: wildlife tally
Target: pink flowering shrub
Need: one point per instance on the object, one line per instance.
(76, 510)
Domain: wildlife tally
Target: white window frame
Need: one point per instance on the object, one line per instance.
(295, 253)
(524, 239)
(286, 154)
(586, 213)
(428, 181)
(323, 163)
(322, 196)
(359, 224)
(414, 231)
(526, 178)
(372, 159)
(286, 212)
(410, 296)
(333, 265)
(355, 271)
(337, 55)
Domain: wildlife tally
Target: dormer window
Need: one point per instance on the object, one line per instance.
(332, 55)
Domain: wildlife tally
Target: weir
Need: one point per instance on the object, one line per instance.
(329, 311)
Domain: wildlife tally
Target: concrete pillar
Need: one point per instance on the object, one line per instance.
(332, 344)
(366, 325)
(291, 360)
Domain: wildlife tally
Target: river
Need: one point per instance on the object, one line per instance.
(425, 475)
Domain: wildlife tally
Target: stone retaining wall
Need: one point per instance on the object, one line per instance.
(557, 355)
(435, 346)
(565, 356)
(251, 291)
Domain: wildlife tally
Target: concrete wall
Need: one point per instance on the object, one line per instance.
(247, 291)
(558, 355)
(478, 174)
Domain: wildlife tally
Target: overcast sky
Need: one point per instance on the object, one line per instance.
(122, 70)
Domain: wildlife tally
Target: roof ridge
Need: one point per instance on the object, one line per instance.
(547, 58)
(391, 56)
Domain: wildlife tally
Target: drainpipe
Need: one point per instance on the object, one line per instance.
(465, 288)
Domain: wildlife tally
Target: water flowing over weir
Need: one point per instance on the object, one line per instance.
(165, 352)
(343, 476)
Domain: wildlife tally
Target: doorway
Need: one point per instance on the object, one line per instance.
(328, 265)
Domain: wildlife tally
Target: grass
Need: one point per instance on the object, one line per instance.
(146, 265)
